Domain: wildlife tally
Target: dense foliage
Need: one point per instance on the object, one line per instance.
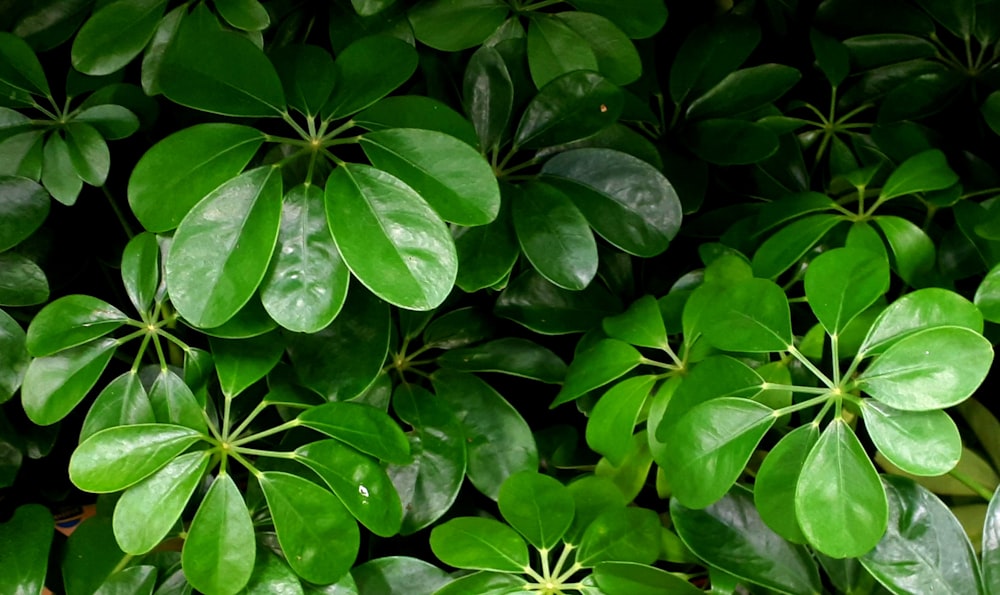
(616, 297)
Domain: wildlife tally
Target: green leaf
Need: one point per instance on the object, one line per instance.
(613, 418)
(115, 35)
(249, 321)
(920, 310)
(122, 402)
(248, 15)
(22, 281)
(368, 70)
(429, 484)
(342, 360)
(141, 270)
(842, 283)
(71, 321)
(174, 403)
(453, 25)
(509, 355)
(744, 91)
(988, 295)
(712, 444)
(487, 253)
(839, 501)
(930, 369)
(731, 535)
(59, 175)
(640, 217)
(135, 580)
(19, 67)
(358, 481)
(783, 249)
(55, 384)
(923, 172)
(554, 235)
(416, 111)
(572, 106)
(14, 354)
(152, 59)
(629, 578)
(750, 316)
(498, 442)
(91, 555)
(220, 72)
(186, 166)
(479, 544)
(147, 511)
(616, 56)
(457, 328)
(991, 111)
(918, 442)
(925, 548)
(912, 249)
(991, 546)
(709, 53)
(390, 238)
(119, 457)
(641, 325)
(637, 18)
(318, 537)
(307, 75)
(726, 141)
(272, 574)
(488, 95)
(449, 174)
(240, 363)
(398, 575)
(366, 428)
(538, 506)
(218, 555)
(24, 205)
(606, 361)
(629, 534)
(774, 486)
(484, 582)
(532, 301)
(592, 495)
(24, 546)
(222, 248)
(555, 49)
(832, 56)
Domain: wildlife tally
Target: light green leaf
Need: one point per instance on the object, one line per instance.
(991, 546)
(484, 582)
(842, 283)
(218, 555)
(629, 578)
(774, 486)
(70, 321)
(606, 361)
(24, 205)
(920, 310)
(122, 402)
(480, 544)
(912, 249)
(918, 442)
(629, 534)
(366, 428)
(368, 70)
(538, 506)
(750, 316)
(988, 295)
(242, 362)
(115, 35)
(174, 403)
(641, 325)
(784, 248)
(572, 106)
(55, 384)
(923, 172)
(613, 419)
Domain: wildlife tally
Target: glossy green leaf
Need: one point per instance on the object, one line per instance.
(185, 167)
(629, 578)
(991, 546)
(134, 580)
(358, 481)
(709, 53)
(570, 107)
(726, 141)
(538, 506)
(616, 56)
(317, 535)
(637, 18)
(416, 111)
(554, 235)
(498, 441)
(832, 56)
(484, 582)
(19, 67)
(774, 486)
(783, 249)
(731, 535)
(307, 74)
(711, 445)
(22, 281)
(249, 321)
(24, 205)
(218, 555)
(988, 295)
(22, 154)
(429, 484)
(71, 321)
(642, 324)
(248, 15)
(341, 361)
(174, 403)
(458, 328)
(59, 174)
(480, 544)
(366, 428)
(919, 310)
(842, 283)
(749, 316)
(306, 283)
(147, 511)
(368, 70)
(398, 575)
(924, 548)
(839, 501)
(91, 555)
(222, 248)
(119, 457)
(613, 418)
(122, 402)
(55, 384)
(918, 442)
(488, 95)
(14, 354)
(606, 361)
(390, 238)
(272, 574)
(640, 217)
(152, 59)
(453, 25)
(629, 534)
(555, 49)
(487, 253)
(509, 355)
(24, 546)
(240, 363)
(923, 172)
(141, 270)
(743, 91)
(930, 369)
(912, 249)
(451, 176)
(115, 35)
(220, 72)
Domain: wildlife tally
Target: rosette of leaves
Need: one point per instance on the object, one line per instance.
(582, 539)
(59, 144)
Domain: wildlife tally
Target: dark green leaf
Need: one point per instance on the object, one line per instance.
(416, 111)
(629, 578)
(613, 418)
(248, 15)
(832, 56)
(991, 111)
(630, 534)
(458, 328)
(70, 321)
(240, 363)
(783, 249)
(24, 548)
(308, 75)
(141, 270)
(923, 172)
(725, 141)
(570, 107)
(509, 355)
(918, 442)
(912, 249)
(479, 544)
(743, 91)
(218, 555)
(24, 205)
(710, 53)
(555, 49)
(14, 354)
(398, 575)
(122, 402)
(55, 384)
(774, 486)
(366, 428)
(637, 18)
(604, 362)
(488, 94)
(59, 174)
(116, 458)
(538, 506)
(842, 283)
(272, 574)
(249, 321)
(453, 25)
(19, 67)
(115, 35)
(616, 56)
(22, 281)
(535, 303)
(368, 70)
(487, 253)
(92, 555)
(152, 59)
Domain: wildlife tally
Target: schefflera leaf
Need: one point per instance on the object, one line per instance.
(920, 310)
(141, 270)
(390, 238)
(774, 486)
(538, 506)
(751, 316)
(925, 443)
(368, 70)
(364, 427)
(223, 246)
(218, 555)
(479, 544)
(842, 283)
(70, 321)
(53, 385)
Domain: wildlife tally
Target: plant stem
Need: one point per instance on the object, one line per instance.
(972, 484)
(249, 419)
(140, 353)
(811, 390)
(294, 423)
(803, 405)
(809, 365)
(118, 213)
(835, 357)
(264, 453)
(563, 555)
